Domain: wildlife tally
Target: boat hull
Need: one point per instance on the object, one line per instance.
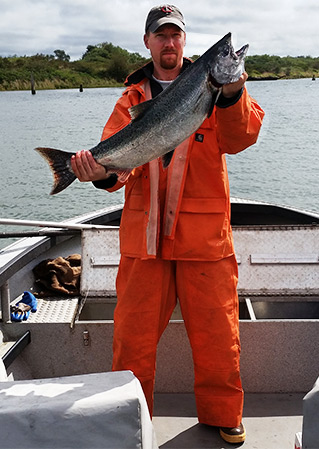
(279, 316)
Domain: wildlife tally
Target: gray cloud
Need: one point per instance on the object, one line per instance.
(28, 27)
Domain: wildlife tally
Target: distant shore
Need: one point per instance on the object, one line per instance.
(106, 65)
(55, 85)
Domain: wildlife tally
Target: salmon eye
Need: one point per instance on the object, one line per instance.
(225, 51)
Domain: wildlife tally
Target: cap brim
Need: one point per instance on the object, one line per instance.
(163, 21)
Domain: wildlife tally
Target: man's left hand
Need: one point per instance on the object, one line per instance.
(230, 90)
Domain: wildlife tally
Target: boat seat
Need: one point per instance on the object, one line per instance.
(97, 410)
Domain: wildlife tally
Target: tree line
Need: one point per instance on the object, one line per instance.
(107, 65)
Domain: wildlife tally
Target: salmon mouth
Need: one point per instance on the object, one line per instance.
(229, 51)
(241, 53)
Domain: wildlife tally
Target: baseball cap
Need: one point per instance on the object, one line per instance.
(160, 15)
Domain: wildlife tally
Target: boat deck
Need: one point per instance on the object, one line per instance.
(271, 422)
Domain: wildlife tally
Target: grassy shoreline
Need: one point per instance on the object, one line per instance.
(105, 65)
(55, 84)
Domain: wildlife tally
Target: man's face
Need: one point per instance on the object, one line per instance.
(166, 46)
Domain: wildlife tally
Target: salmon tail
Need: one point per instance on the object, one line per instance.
(60, 164)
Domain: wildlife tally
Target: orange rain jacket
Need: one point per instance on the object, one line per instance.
(200, 228)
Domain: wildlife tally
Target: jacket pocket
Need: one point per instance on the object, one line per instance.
(136, 202)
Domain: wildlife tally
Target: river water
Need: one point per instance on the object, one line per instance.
(282, 168)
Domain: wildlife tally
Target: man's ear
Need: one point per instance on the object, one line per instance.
(146, 41)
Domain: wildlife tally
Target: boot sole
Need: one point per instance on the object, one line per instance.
(233, 438)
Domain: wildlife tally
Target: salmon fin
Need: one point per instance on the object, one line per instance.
(139, 110)
(123, 175)
(166, 159)
(60, 164)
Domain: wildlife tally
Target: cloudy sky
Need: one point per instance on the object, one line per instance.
(275, 27)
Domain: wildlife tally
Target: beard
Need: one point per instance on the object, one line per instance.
(168, 61)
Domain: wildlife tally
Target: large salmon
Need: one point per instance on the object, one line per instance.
(159, 125)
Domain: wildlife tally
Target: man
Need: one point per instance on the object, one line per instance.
(184, 249)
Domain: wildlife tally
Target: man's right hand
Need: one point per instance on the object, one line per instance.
(86, 168)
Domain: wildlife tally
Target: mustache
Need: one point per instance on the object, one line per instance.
(167, 52)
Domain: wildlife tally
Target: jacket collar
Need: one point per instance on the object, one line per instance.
(147, 71)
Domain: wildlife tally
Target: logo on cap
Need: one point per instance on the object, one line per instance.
(167, 9)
